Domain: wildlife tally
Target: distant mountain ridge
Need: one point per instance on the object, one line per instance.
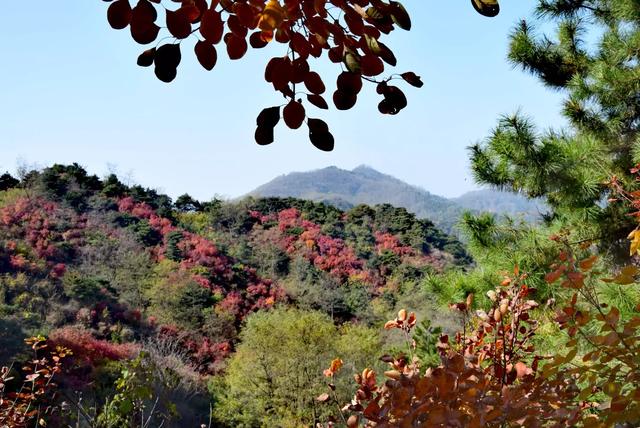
(365, 185)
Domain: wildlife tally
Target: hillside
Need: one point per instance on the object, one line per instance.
(113, 272)
(365, 185)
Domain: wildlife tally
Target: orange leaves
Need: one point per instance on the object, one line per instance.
(552, 277)
(21, 399)
(334, 368)
(611, 318)
(626, 276)
(353, 421)
(272, 16)
(404, 321)
(489, 379)
(587, 264)
(522, 370)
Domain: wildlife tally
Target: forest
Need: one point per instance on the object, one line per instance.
(122, 307)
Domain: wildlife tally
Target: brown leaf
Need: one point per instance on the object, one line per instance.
(323, 398)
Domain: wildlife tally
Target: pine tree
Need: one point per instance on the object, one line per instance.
(594, 60)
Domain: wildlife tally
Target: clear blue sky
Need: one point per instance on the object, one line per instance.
(71, 92)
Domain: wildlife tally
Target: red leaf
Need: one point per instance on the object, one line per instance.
(344, 100)
(412, 79)
(206, 54)
(371, 65)
(119, 14)
(318, 101)
(179, 23)
(314, 83)
(236, 46)
(211, 26)
(293, 114)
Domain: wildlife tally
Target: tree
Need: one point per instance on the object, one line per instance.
(8, 182)
(276, 372)
(186, 203)
(594, 61)
(349, 31)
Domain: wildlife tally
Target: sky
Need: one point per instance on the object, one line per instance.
(71, 92)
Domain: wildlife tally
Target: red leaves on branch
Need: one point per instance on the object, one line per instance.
(30, 400)
(488, 376)
(305, 26)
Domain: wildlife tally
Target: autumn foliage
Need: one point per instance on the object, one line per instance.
(27, 393)
(348, 32)
(490, 374)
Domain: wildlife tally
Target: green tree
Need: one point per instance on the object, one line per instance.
(173, 251)
(594, 61)
(186, 203)
(7, 181)
(177, 299)
(275, 375)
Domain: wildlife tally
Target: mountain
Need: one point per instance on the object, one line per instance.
(493, 201)
(365, 185)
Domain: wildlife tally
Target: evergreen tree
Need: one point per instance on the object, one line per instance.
(7, 181)
(186, 203)
(594, 60)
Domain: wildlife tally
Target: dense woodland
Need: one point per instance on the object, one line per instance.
(122, 308)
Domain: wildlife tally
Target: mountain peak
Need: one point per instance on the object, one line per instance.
(363, 167)
(366, 185)
(367, 171)
(362, 185)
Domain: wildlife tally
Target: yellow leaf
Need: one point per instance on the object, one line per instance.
(634, 237)
(630, 270)
(272, 16)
